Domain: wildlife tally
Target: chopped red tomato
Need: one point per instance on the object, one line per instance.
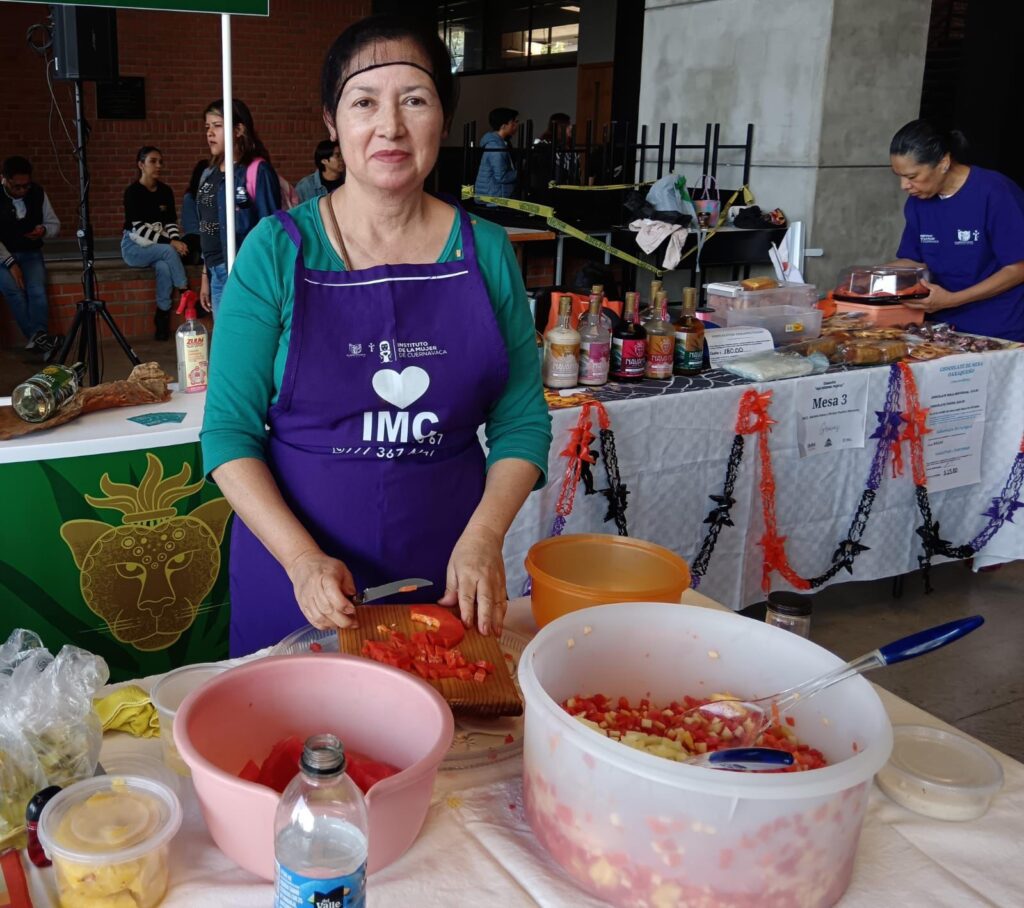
(282, 764)
(439, 621)
(426, 654)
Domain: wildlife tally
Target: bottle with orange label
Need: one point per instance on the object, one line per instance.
(192, 342)
(561, 365)
(661, 339)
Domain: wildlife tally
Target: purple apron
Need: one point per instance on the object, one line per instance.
(373, 439)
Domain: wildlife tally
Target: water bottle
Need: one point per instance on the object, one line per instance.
(320, 833)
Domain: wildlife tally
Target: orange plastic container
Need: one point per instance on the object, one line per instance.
(577, 571)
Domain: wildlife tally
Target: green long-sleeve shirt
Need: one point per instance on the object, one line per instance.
(253, 330)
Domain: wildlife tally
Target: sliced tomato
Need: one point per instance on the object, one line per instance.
(441, 622)
(282, 764)
(365, 771)
(250, 772)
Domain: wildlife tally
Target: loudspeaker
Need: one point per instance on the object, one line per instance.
(84, 43)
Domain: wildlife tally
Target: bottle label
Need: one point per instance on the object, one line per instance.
(193, 363)
(659, 355)
(628, 357)
(561, 364)
(595, 358)
(689, 351)
(293, 890)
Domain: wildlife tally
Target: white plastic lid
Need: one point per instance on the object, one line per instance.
(109, 819)
(939, 774)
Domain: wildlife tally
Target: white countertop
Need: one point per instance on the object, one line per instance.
(110, 431)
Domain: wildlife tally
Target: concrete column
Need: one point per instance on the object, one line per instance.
(825, 83)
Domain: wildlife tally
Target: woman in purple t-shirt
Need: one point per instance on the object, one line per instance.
(966, 224)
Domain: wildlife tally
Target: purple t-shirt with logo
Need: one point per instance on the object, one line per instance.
(967, 238)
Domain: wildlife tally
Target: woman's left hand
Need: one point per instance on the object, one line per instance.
(937, 299)
(476, 579)
(179, 247)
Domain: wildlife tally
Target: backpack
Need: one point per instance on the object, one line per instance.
(289, 198)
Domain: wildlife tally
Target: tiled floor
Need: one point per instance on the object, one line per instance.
(976, 684)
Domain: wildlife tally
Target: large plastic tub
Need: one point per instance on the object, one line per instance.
(584, 569)
(786, 324)
(637, 829)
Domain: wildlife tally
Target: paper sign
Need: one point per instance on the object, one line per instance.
(832, 411)
(956, 395)
(726, 343)
(156, 419)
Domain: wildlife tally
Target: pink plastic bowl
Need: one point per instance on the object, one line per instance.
(382, 712)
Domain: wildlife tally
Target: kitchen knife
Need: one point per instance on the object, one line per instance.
(390, 589)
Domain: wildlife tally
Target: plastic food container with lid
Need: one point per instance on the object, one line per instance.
(939, 774)
(881, 284)
(722, 296)
(109, 838)
(167, 695)
(637, 829)
(786, 324)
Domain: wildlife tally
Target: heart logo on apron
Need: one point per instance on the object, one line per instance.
(401, 389)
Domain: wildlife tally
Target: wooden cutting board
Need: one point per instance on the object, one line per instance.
(497, 696)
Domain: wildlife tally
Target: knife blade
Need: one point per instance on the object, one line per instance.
(390, 589)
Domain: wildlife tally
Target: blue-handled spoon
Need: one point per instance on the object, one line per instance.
(744, 759)
(756, 715)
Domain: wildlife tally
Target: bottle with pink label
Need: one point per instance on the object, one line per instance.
(629, 344)
(595, 345)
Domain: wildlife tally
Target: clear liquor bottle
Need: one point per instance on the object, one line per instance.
(595, 345)
(562, 350)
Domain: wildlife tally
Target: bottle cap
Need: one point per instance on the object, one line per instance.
(188, 303)
(598, 289)
(38, 802)
(791, 604)
(323, 755)
(690, 300)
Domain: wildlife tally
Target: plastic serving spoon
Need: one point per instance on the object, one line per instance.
(747, 719)
(744, 759)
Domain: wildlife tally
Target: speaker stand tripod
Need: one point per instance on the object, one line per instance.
(84, 327)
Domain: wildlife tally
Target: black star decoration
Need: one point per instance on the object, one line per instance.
(616, 501)
(934, 544)
(720, 516)
(847, 551)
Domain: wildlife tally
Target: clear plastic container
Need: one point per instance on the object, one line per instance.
(786, 324)
(109, 838)
(790, 611)
(167, 695)
(723, 296)
(881, 284)
(939, 774)
(670, 833)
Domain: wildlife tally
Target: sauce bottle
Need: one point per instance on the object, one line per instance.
(629, 344)
(661, 337)
(561, 364)
(689, 346)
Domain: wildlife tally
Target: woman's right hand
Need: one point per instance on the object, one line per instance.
(323, 588)
(204, 293)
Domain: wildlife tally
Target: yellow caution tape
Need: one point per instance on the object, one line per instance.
(548, 213)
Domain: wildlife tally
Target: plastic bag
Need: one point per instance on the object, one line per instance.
(49, 731)
(773, 365)
(664, 196)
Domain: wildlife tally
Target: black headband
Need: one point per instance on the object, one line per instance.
(358, 72)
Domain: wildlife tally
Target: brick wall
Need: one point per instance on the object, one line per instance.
(276, 72)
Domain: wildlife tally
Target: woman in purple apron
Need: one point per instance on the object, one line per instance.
(372, 468)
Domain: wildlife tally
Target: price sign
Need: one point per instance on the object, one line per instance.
(726, 343)
(955, 390)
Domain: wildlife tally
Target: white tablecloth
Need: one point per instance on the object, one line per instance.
(476, 847)
(673, 451)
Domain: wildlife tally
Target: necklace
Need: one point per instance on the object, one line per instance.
(337, 232)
